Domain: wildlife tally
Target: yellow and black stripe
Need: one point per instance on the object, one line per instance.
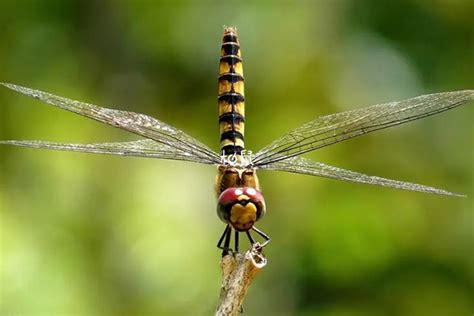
(231, 100)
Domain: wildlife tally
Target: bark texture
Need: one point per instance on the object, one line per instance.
(238, 272)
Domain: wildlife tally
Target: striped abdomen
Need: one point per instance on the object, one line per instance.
(231, 94)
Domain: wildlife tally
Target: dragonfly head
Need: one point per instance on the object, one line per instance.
(241, 207)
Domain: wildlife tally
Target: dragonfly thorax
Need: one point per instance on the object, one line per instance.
(232, 177)
(241, 207)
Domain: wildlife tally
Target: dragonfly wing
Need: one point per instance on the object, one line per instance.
(313, 168)
(140, 124)
(331, 129)
(141, 148)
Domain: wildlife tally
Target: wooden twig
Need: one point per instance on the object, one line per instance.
(238, 272)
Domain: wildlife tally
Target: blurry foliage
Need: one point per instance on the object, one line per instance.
(86, 234)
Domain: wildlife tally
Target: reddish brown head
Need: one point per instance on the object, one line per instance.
(241, 207)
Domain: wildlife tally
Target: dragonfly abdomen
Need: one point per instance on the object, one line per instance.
(231, 100)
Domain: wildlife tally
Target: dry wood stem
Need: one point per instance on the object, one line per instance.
(238, 272)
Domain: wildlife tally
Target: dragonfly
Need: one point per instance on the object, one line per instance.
(240, 201)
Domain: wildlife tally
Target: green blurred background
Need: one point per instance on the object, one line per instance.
(101, 235)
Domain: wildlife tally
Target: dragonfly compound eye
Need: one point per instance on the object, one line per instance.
(240, 207)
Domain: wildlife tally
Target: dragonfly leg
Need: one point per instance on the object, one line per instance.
(236, 239)
(226, 238)
(264, 236)
(219, 243)
(252, 241)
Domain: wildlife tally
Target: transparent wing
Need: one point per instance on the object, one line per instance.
(141, 148)
(331, 129)
(140, 124)
(313, 168)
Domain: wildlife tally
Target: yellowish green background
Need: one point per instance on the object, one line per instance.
(85, 234)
